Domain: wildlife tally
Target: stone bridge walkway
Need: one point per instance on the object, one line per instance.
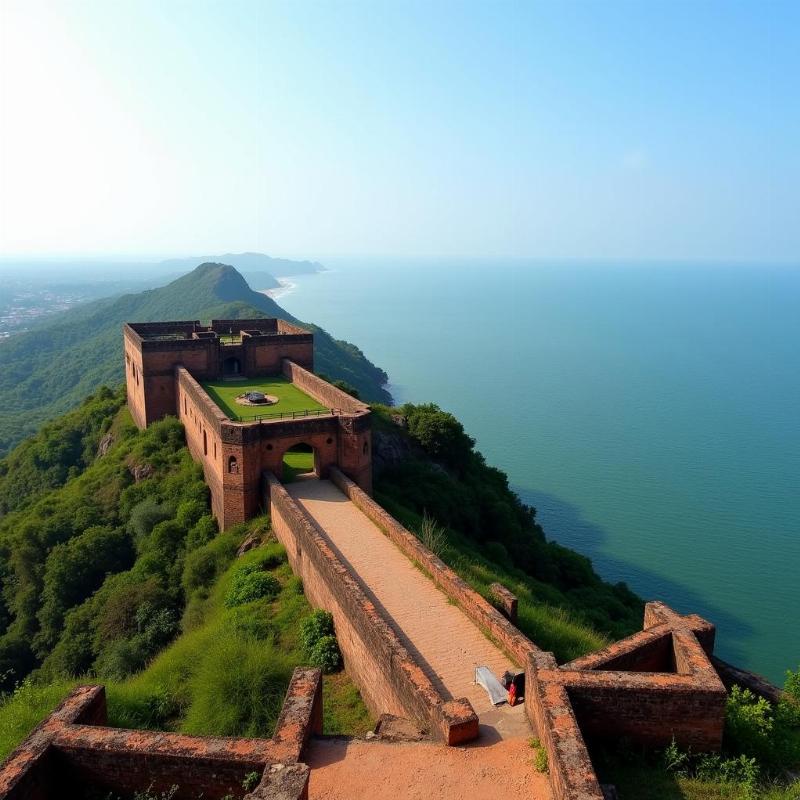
(446, 644)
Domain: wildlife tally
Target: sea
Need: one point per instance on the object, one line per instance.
(649, 411)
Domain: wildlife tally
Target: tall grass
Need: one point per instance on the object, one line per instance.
(23, 709)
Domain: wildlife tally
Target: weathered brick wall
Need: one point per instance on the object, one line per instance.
(214, 440)
(651, 687)
(650, 709)
(134, 379)
(550, 713)
(223, 326)
(115, 760)
(322, 391)
(31, 771)
(650, 650)
(479, 610)
(263, 354)
(504, 601)
(203, 422)
(72, 751)
(389, 678)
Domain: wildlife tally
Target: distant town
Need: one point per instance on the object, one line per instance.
(21, 308)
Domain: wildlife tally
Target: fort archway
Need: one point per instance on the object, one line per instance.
(231, 367)
(299, 459)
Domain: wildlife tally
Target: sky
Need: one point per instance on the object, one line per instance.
(630, 130)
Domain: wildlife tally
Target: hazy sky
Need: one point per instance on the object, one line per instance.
(593, 129)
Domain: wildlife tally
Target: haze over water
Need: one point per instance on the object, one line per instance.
(650, 412)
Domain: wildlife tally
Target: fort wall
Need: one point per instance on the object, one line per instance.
(73, 750)
(354, 456)
(164, 363)
(479, 610)
(389, 678)
(549, 710)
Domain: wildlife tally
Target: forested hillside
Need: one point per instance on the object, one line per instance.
(50, 370)
(113, 569)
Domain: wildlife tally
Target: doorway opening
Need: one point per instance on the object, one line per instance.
(298, 460)
(231, 367)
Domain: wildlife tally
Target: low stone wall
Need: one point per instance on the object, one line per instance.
(30, 772)
(117, 760)
(479, 610)
(550, 712)
(321, 390)
(73, 750)
(389, 678)
(651, 687)
(504, 601)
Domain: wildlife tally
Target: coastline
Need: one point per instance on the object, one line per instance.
(286, 287)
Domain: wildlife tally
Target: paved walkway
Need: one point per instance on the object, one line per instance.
(446, 644)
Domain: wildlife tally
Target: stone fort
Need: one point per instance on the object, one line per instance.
(410, 629)
(165, 366)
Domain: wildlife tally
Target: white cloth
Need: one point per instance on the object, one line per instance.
(485, 677)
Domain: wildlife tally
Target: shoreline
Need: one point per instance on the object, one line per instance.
(286, 287)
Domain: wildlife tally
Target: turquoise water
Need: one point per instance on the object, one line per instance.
(650, 413)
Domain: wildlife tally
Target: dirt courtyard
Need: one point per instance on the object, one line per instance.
(344, 769)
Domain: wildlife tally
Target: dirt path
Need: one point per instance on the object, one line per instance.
(358, 770)
(441, 637)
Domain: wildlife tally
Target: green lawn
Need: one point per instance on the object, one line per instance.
(290, 398)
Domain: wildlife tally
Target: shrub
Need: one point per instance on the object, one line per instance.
(206, 563)
(203, 532)
(497, 552)
(145, 515)
(748, 718)
(325, 654)
(314, 627)
(248, 586)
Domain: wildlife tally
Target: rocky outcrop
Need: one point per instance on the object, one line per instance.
(140, 471)
(250, 543)
(105, 444)
(390, 448)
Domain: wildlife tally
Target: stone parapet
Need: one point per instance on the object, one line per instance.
(73, 750)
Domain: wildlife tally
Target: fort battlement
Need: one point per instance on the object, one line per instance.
(74, 752)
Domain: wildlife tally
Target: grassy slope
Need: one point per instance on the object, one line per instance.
(290, 398)
(227, 670)
(47, 371)
(225, 675)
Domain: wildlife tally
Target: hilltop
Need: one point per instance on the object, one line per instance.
(51, 369)
(260, 270)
